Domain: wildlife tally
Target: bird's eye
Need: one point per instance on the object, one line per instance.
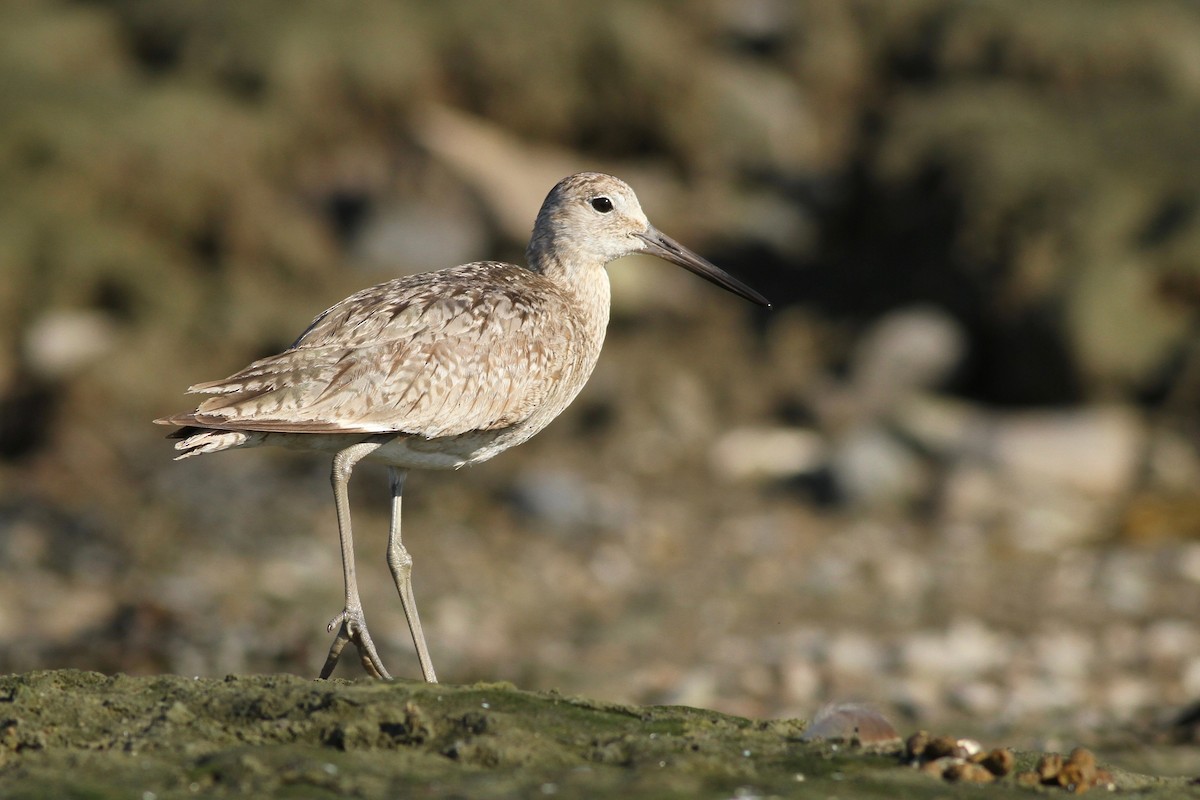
(602, 204)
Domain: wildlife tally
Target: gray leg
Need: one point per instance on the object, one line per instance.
(401, 564)
(351, 625)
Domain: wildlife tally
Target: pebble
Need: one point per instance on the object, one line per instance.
(1171, 640)
(938, 766)
(1126, 582)
(1048, 767)
(854, 652)
(1077, 773)
(1065, 653)
(956, 759)
(967, 647)
(767, 453)
(801, 682)
(915, 745)
(944, 747)
(850, 722)
(971, 667)
(1191, 677)
(905, 351)
(1125, 695)
(1093, 450)
(968, 773)
(1044, 480)
(999, 761)
(59, 343)
(1188, 562)
(872, 468)
(978, 698)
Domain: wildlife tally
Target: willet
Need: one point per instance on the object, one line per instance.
(441, 369)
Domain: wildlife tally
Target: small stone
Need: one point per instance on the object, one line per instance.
(1048, 767)
(938, 766)
(978, 698)
(968, 773)
(914, 748)
(999, 761)
(970, 747)
(943, 747)
(851, 722)
(767, 453)
(905, 351)
(59, 343)
(1083, 758)
(871, 467)
(1079, 773)
(1074, 778)
(1028, 779)
(8, 734)
(853, 653)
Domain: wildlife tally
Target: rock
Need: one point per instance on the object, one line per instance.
(914, 746)
(1078, 774)
(1048, 767)
(1060, 476)
(872, 468)
(59, 343)
(1191, 677)
(1188, 562)
(999, 761)
(1168, 641)
(1125, 696)
(1126, 581)
(854, 653)
(851, 722)
(1065, 653)
(941, 425)
(978, 698)
(968, 773)
(967, 647)
(771, 453)
(802, 682)
(938, 766)
(905, 351)
(509, 175)
(944, 747)
(1096, 451)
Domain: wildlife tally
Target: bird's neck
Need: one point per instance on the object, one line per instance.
(583, 276)
(564, 264)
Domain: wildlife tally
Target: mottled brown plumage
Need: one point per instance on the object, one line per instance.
(440, 369)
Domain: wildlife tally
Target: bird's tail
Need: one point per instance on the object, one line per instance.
(197, 441)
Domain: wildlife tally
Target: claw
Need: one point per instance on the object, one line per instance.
(353, 628)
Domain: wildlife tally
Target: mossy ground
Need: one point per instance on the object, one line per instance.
(184, 185)
(67, 734)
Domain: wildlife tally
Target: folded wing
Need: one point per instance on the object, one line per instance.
(435, 355)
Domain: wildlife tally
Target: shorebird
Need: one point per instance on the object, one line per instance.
(439, 370)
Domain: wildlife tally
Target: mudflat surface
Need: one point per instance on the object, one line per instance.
(82, 734)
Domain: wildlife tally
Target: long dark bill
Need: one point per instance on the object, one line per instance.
(663, 246)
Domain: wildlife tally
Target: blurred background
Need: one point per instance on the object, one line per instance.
(954, 472)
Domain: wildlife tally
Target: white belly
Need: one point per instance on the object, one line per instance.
(408, 452)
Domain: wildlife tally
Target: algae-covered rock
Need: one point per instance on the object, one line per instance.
(752, 513)
(82, 734)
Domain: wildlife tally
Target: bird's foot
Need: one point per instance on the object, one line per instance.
(352, 627)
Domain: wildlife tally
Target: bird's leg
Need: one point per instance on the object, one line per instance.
(401, 565)
(351, 624)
